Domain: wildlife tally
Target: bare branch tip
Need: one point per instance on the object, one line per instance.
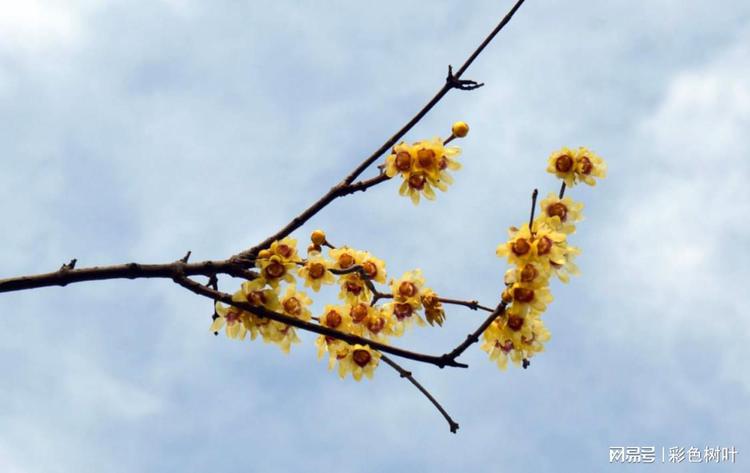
(185, 258)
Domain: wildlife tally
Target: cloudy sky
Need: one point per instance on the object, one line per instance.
(138, 130)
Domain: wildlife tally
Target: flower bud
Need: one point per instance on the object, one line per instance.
(460, 129)
(318, 237)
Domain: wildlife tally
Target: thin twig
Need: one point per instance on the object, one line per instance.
(533, 208)
(407, 374)
(473, 305)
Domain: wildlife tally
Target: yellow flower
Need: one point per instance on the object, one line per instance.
(561, 214)
(286, 249)
(568, 268)
(316, 272)
(231, 318)
(429, 153)
(415, 185)
(531, 274)
(544, 245)
(433, 308)
(561, 163)
(518, 249)
(379, 325)
(528, 300)
(353, 289)
(256, 293)
(576, 166)
(358, 360)
(403, 314)
(275, 269)
(279, 333)
(408, 287)
(372, 267)
(344, 258)
(295, 303)
(400, 161)
(589, 165)
(515, 337)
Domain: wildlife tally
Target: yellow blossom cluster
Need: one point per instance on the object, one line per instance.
(356, 273)
(537, 253)
(424, 165)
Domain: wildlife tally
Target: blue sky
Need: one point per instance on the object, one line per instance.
(138, 130)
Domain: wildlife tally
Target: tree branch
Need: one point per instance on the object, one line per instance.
(407, 374)
(66, 275)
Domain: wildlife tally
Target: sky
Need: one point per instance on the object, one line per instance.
(138, 130)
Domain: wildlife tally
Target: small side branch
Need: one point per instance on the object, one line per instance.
(407, 374)
(473, 337)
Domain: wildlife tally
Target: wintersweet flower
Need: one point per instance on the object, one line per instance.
(295, 303)
(589, 166)
(358, 360)
(229, 317)
(423, 166)
(561, 214)
(581, 165)
(408, 287)
(562, 164)
(433, 308)
(528, 300)
(316, 272)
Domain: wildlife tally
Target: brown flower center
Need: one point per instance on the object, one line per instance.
(316, 270)
(284, 250)
(426, 157)
(443, 163)
(528, 273)
(292, 306)
(376, 325)
(359, 312)
(521, 246)
(544, 246)
(275, 270)
(256, 298)
(353, 287)
(407, 289)
(416, 182)
(361, 357)
(370, 269)
(505, 347)
(523, 294)
(402, 311)
(515, 322)
(586, 165)
(346, 261)
(333, 319)
(564, 163)
(232, 316)
(558, 209)
(403, 161)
